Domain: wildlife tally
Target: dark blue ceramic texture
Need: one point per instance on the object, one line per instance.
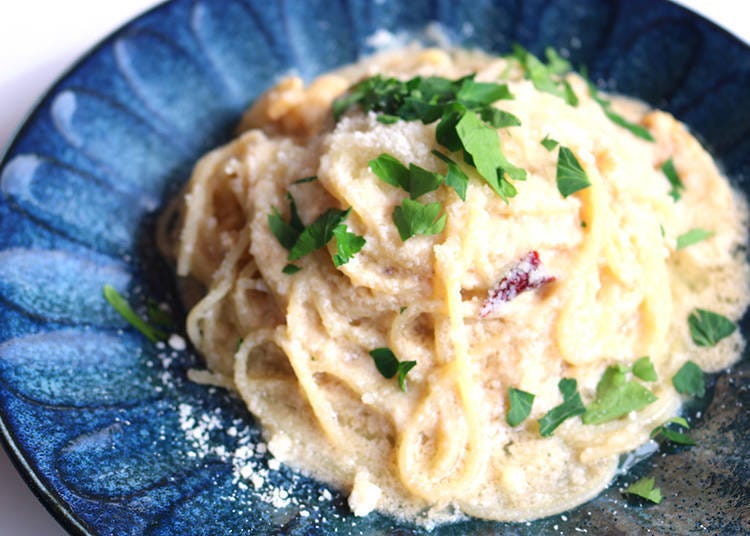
(93, 413)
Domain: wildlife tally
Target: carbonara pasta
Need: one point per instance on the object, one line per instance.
(383, 362)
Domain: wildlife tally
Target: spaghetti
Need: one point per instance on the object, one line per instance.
(296, 346)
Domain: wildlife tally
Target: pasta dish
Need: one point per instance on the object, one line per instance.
(454, 284)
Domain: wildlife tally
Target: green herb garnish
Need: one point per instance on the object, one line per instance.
(644, 369)
(413, 217)
(482, 143)
(693, 236)
(570, 175)
(707, 328)
(389, 366)
(678, 438)
(645, 489)
(306, 179)
(467, 122)
(689, 380)
(120, 304)
(674, 179)
(291, 269)
(549, 144)
(617, 396)
(391, 170)
(455, 177)
(570, 407)
(520, 406)
(613, 116)
(301, 240)
(317, 234)
(546, 78)
(347, 244)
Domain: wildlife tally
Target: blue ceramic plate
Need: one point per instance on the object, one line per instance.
(105, 426)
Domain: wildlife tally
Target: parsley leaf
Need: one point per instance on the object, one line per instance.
(556, 63)
(389, 366)
(707, 328)
(689, 380)
(413, 217)
(120, 304)
(616, 397)
(285, 233)
(391, 170)
(499, 118)
(570, 96)
(613, 116)
(317, 234)
(291, 269)
(455, 177)
(300, 240)
(548, 143)
(347, 244)
(481, 93)
(415, 179)
(570, 175)
(645, 489)
(679, 438)
(693, 236)
(403, 369)
(674, 179)
(644, 369)
(570, 407)
(520, 406)
(546, 78)
(483, 144)
(422, 181)
(306, 179)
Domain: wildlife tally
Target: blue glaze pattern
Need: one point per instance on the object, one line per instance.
(105, 425)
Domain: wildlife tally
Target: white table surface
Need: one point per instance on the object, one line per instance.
(39, 39)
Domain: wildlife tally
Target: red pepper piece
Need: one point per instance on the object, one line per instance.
(527, 273)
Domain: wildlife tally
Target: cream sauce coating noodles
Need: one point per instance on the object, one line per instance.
(296, 347)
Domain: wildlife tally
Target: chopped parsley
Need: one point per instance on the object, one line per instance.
(426, 99)
(291, 269)
(549, 144)
(120, 304)
(467, 122)
(708, 328)
(570, 407)
(644, 369)
(689, 380)
(676, 437)
(616, 395)
(520, 406)
(674, 179)
(454, 177)
(645, 489)
(389, 366)
(570, 175)
(391, 170)
(635, 129)
(413, 218)
(482, 143)
(693, 236)
(301, 240)
(347, 244)
(546, 77)
(306, 179)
